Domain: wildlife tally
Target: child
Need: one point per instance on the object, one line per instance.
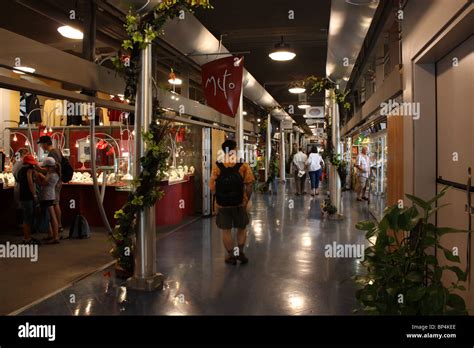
(48, 183)
(28, 196)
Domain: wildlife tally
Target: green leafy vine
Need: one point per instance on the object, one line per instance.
(143, 31)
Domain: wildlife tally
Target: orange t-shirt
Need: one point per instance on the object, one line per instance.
(245, 171)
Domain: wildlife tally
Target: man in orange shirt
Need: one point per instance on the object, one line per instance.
(231, 183)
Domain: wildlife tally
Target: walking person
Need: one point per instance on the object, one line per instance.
(48, 184)
(315, 167)
(28, 197)
(232, 182)
(47, 146)
(363, 170)
(299, 169)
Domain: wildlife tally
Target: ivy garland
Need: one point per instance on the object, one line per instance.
(319, 84)
(142, 31)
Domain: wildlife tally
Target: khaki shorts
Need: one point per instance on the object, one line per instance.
(363, 181)
(57, 189)
(230, 217)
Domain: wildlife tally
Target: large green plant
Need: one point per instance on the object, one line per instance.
(403, 274)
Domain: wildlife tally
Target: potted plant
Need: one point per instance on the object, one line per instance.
(403, 273)
(327, 208)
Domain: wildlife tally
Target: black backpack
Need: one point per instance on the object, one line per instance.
(80, 228)
(66, 170)
(229, 186)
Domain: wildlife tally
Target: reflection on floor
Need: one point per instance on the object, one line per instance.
(287, 274)
(377, 205)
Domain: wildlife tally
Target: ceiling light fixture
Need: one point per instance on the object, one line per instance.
(173, 79)
(282, 52)
(297, 90)
(244, 113)
(23, 69)
(304, 106)
(70, 32)
(362, 2)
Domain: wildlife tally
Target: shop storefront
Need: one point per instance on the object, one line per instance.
(374, 138)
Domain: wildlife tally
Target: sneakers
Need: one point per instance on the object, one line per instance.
(242, 258)
(230, 259)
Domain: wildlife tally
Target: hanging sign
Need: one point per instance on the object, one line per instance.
(287, 124)
(222, 84)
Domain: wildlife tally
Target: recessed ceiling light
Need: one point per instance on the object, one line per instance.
(297, 90)
(303, 106)
(70, 32)
(21, 70)
(282, 52)
(244, 113)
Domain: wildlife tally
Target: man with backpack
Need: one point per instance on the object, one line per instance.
(231, 183)
(65, 174)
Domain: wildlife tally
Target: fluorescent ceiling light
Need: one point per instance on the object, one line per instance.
(304, 106)
(70, 32)
(362, 2)
(175, 81)
(21, 70)
(282, 52)
(297, 90)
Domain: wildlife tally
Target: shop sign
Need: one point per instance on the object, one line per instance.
(287, 124)
(222, 84)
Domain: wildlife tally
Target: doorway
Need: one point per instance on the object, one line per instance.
(455, 148)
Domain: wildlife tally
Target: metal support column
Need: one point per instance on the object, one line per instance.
(239, 126)
(282, 154)
(268, 148)
(297, 140)
(145, 276)
(291, 143)
(334, 180)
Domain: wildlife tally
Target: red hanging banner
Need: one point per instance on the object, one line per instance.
(222, 84)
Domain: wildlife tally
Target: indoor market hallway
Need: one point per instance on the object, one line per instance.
(288, 272)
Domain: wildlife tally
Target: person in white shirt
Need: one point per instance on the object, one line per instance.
(299, 168)
(315, 168)
(363, 166)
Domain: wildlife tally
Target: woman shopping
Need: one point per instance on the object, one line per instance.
(315, 165)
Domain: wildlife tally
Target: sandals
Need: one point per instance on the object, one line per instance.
(52, 241)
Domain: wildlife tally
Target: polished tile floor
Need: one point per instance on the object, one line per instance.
(288, 273)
